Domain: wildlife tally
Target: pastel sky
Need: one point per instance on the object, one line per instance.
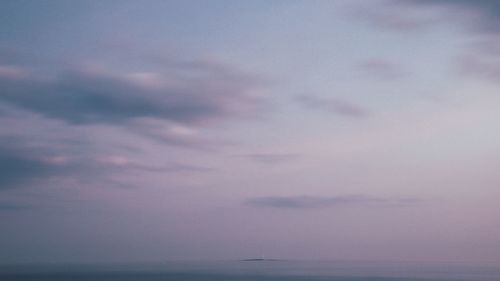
(202, 130)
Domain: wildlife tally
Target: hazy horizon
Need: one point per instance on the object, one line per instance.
(136, 131)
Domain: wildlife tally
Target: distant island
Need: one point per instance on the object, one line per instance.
(260, 259)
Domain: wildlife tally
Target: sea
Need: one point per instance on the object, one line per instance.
(255, 270)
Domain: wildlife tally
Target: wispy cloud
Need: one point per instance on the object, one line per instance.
(121, 163)
(25, 164)
(479, 65)
(382, 69)
(12, 207)
(20, 165)
(481, 56)
(93, 95)
(397, 15)
(479, 22)
(170, 100)
(312, 202)
(479, 15)
(175, 134)
(332, 105)
(272, 158)
(410, 15)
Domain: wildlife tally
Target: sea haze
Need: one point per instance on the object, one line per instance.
(272, 270)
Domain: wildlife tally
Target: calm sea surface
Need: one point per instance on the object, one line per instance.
(255, 271)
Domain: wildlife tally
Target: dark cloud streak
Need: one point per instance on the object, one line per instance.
(382, 69)
(272, 158)
(481, 16)
(13, 207)
(314, 202)
(89, 97)
(332, 105)
(487, 12)
(20, 166)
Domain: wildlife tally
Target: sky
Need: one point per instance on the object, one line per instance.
(219, 130)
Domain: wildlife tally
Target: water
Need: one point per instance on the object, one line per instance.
(255, 271)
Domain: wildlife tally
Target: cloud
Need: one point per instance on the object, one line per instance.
(480, 57)
(11, 72)
(7, 207)
(480, 15)
(312, 202)
(21, 165)
(167, 99)
(332, 105)
(412, 15)
(382, 69)
(175, 134)
(90, 95)
(479, 20)
(480, 65)
(28, 164)
(25, 163)
(54, 118)
(113, 162)
(397, 15)
(272, 158)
